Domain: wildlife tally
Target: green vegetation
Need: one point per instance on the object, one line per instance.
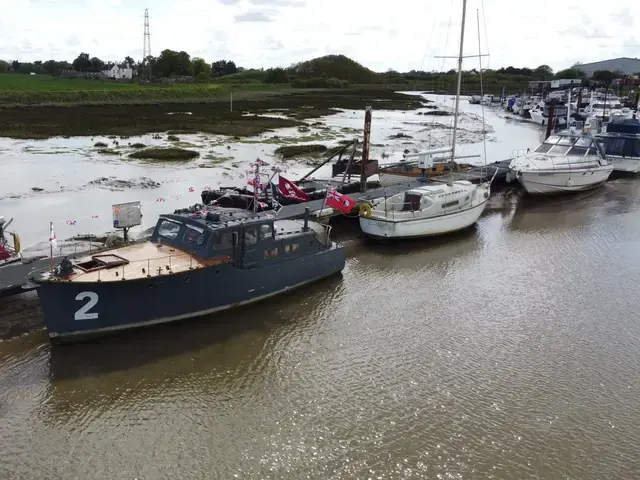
(108, 151)
(247, 119)
(82, 102)
(167, 154)
(291, 151)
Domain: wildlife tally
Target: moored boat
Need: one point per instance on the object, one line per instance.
(621, 144)
(10, 252)
(430, 209)
(426, 166)
(193, 265)
(568, 161)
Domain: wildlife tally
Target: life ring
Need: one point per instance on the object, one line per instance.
(365, 210)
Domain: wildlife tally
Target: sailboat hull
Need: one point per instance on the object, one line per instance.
(421, 227)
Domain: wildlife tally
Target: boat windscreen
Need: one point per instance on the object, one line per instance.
(168, 229)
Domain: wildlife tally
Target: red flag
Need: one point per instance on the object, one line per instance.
(290, 190)
(339, 201)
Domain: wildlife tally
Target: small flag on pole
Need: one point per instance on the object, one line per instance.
(71, 222)
(52, 237)
(191, 190)
(96, 216)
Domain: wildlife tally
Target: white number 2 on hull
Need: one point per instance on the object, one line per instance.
(83, 313)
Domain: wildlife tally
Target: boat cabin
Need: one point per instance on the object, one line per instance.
(622, 138)
(570, 144)
(247, 238)
(236, 238)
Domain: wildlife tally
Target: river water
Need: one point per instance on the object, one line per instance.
(508, 352)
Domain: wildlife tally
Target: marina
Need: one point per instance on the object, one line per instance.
(444, 289)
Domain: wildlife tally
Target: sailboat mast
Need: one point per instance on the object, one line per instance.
(455, 112)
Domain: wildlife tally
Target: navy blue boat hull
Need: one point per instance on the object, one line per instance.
(76, 310)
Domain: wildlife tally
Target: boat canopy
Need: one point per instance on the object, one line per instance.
(627, 125)
(578, 145)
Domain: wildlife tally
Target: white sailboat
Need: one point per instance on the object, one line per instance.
(431, 209)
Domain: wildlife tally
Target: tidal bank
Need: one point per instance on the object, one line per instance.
(248, 116)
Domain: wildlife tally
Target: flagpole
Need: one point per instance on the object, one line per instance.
(50, 248)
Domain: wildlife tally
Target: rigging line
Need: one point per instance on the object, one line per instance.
(426, 50)
(484, 128)
(486, 38)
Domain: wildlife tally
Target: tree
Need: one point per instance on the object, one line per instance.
(15, 65)
(276, 75)
(543, 71)
(603, 76)
(97, 65)
(171, 62)
(4, 66)
(82, 62)
(571, 73)
(222, 68)
(200, 66)
(128, 62)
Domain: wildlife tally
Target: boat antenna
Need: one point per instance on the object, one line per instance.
(459, 84)
(484, 128)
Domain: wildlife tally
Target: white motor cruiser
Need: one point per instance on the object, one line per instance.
(568, 161)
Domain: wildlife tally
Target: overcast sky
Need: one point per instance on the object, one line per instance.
(401, 35)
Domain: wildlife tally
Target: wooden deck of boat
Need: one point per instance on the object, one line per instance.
(145, 260)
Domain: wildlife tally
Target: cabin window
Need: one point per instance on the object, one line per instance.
(266, 231)
(291, 248)
(250, 236)
(580, 151)
(223, 241)
(543, 148)
(450, 204)
(559, 149)
(169, 229)
(567, 140)
(193, 236)
(271, 252)
(613, 146)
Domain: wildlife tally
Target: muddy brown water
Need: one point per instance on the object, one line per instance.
(508, 351)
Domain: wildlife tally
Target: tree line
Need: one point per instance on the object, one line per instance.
(328, 71)
(168, 64)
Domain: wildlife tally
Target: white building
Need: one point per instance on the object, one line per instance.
(119, 73)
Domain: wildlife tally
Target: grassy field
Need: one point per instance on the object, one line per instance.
(17, 90)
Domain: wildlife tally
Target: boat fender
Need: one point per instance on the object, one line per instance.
(365, 210)
(569, 183)
(16, 243)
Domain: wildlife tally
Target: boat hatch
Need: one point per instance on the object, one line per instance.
(411, 202)
(97, 262)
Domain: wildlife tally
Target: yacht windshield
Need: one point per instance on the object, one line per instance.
(567, 145)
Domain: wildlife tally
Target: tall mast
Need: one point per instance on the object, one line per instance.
(455, 112)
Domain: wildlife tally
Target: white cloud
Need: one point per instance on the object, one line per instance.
(381, 35)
